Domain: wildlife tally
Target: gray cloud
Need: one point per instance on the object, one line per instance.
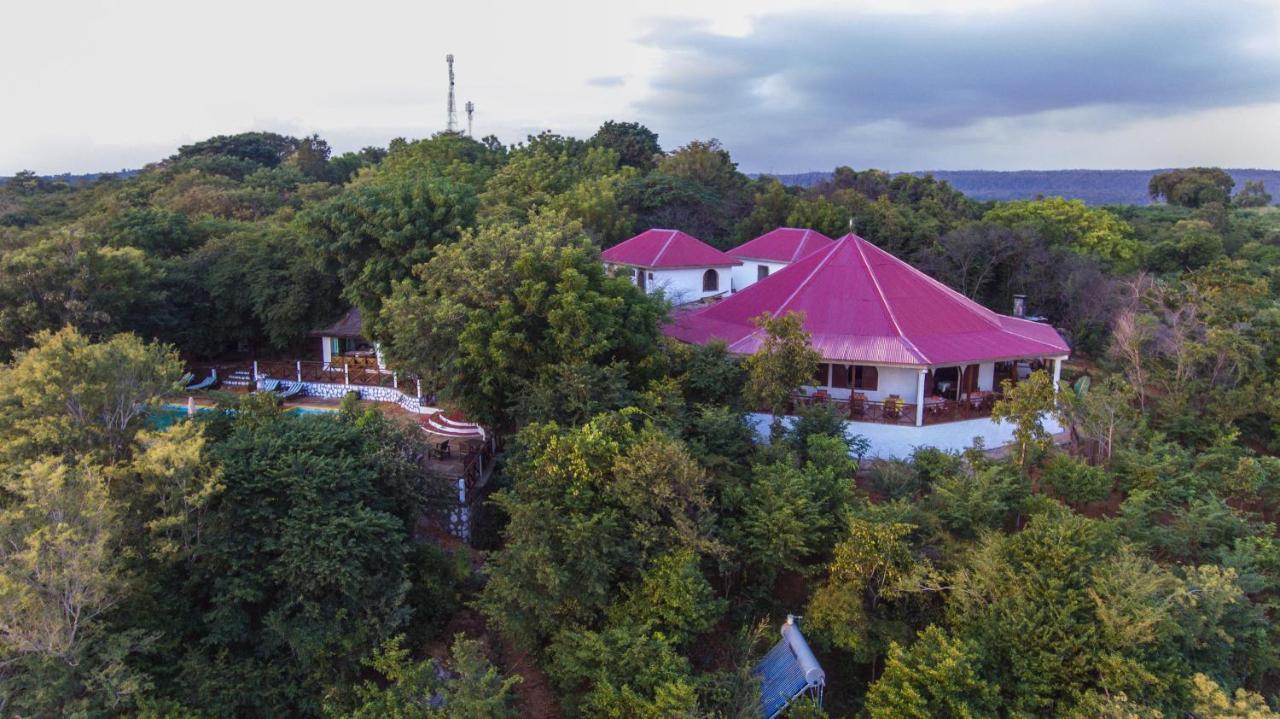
(862, 78)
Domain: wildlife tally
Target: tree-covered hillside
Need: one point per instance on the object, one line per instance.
(640, 544)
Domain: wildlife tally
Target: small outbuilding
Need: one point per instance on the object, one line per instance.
(683, 267)
(772, 251)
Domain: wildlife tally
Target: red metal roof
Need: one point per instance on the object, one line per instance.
(785, 244)
(666, 249)
(862, 304)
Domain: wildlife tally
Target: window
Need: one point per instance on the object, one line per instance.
(821, 374)
(840, 375)
(710, 281)
(762, 271)
(865, 377)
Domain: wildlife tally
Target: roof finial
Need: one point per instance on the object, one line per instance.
(851, 224)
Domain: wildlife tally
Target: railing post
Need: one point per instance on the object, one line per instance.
(395, 381)
(419, 382)
(298, 367)
(346, 374)
(255, 370)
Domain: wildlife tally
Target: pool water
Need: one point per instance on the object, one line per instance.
(166, 415)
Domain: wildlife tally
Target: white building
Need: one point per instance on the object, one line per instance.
(683, 267)
(772, 251)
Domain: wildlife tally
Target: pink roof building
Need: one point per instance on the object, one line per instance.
(683, 267)
(666, 249)
(883, 328)
(783, 245)
(772, 251)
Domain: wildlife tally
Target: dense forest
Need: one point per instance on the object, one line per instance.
(640, 545)
(1095, 187)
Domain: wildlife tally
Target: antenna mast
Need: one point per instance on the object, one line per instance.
(452, 125)
(471, 110)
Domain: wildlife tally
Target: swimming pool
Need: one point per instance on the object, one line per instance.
(166, 414)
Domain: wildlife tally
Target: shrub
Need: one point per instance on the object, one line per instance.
(1074, 481)
(895, 479)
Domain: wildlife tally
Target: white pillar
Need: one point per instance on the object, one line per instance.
(326, 350)
(298, 367)
(920, 398)
(1057, 372)
(395, 380)
(419, 383)
(346, 373)
(255, 370)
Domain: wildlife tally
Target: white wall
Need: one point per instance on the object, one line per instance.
(746, 274)
(680, 285)
(685, 284)
(892, 380)
(890, 441)
(986, 376)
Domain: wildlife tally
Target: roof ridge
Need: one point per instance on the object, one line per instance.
(875, 281)
(987, 314)
(663, 250)
(799, 286)
(804, 237)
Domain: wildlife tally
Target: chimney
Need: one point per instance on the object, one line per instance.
(1019, 305)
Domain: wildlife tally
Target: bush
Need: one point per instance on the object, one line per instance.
(933, 464)
(1074, 481)
(895, 479)
(823, 419)
(435, 590)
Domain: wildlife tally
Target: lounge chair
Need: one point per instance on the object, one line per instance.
(266, 384)
(289, 390)
(206, 383)
(186, 379)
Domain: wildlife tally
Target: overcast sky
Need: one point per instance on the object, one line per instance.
(786, 85)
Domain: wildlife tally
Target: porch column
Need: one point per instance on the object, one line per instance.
(920, 398)
(298, 367)
(1057, 372)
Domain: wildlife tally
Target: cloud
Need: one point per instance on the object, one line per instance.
(856, 79)
(607, 81)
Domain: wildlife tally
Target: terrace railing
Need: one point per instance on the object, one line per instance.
(341, 373)
(936, 411)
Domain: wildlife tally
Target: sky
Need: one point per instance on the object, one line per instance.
(785, 85)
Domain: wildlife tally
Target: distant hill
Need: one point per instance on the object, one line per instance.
(84, 179)
(1096, 187)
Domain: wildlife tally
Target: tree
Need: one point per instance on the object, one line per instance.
(263, 148)
(57, 570)
(869, 565)
(1100, 413)
(1192, 187)
(301, 566)
(374, 233)
(784, 361)
(708, 164)
(589, 507)
(1254, 194)
(970, 257)
(1024, 405)
(1072, 224)
(1211, 702)
(636, 145)
(72, 397)
(467, 685)
(499, 314)
(937, 677)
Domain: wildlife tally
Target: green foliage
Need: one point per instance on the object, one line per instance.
(589, 507)
(1074, 481)
(1192, 187)
(636, 145)
(1074, 225)
(71, 397)
(783, 362)
(467, 685)
(373, 234)
(510, 310)
(936, 677)
(1024, 405)
(1254, 194)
